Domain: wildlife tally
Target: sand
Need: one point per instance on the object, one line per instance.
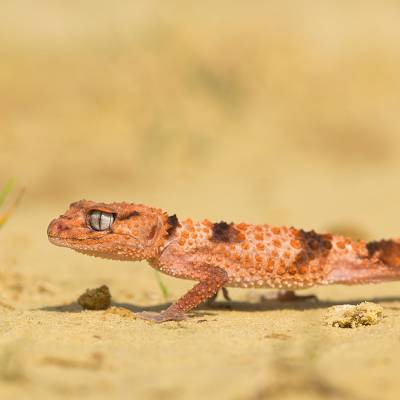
(276, 112)
(51, 348)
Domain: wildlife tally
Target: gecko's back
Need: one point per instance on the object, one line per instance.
(262, 255)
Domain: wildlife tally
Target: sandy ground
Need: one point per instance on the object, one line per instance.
(50, 349)
(272, 111)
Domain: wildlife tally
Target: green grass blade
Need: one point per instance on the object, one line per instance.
(5, 191)
(161, 284)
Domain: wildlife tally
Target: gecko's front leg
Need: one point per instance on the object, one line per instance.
(211, 279)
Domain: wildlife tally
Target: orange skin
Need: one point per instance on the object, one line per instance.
(220, 255)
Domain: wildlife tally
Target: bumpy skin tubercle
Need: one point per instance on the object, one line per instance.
(219, 255)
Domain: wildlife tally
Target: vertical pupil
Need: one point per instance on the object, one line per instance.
(95, 220)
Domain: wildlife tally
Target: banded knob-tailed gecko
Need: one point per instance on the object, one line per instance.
(220, 255)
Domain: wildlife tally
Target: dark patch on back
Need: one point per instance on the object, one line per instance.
(314, 245)
(223, 232)
(173, 222)
(123, 217)
(387, 251)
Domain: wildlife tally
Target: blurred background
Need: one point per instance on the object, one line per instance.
(270, 111)
(281, 112)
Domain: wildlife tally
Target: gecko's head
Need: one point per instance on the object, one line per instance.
(119, 231)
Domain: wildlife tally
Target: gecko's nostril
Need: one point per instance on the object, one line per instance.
(56, 226)
(61, 227)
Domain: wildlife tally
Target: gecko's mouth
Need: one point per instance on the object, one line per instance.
(55, 240)
(71, 239)
(62, 242)
(106, 255)
(67, 241)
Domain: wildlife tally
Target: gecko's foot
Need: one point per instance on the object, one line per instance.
(160, 317)
(290, 295)
(211, 302)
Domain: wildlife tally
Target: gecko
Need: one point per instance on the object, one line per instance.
(218, 255)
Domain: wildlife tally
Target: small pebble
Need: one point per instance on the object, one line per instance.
(95, 299)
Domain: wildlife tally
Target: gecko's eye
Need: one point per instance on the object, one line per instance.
(100, 220)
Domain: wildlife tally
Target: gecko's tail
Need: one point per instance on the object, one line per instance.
(379, 262)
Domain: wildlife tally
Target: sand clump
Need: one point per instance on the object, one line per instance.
(353, 316)
(95, 299)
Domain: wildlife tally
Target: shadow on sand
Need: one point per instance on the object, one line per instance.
(262, 305)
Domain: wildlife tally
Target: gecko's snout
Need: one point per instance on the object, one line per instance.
(55, 227)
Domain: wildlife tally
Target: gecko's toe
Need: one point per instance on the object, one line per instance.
(212, 303)
(159, 317)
